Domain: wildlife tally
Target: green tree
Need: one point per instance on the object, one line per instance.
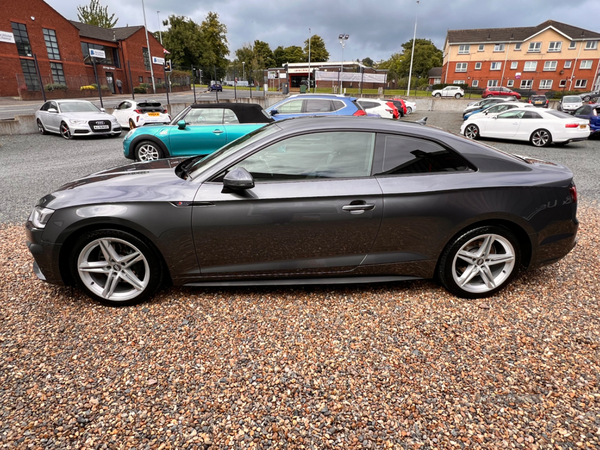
(294, 54)
(213, 58)
(183, 39)
(94, 14)
(279, 56)
(263, 54)
(426, 56)
(393, 67)
(368, 62)
(318, 52)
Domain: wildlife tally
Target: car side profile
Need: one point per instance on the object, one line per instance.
(315, 200)
(500, 91)
(383, 108)
(497, 108)
(449, 91)
(315, 104)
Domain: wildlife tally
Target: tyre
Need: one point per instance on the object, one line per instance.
(41, 128)
(480, 262)
(115, 267)
(147, 151)
(408, 110)
(64, 131)
(438, 95)
(131, 124)
(515, 98)
(472, 131)
(586, 98)
(541, 138)
(457, 96)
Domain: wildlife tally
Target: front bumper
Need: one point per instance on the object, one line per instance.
(46, 265)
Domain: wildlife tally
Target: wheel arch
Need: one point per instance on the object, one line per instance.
(147, 137)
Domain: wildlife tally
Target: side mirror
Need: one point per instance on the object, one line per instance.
(102, 109)
(181, 124)
(52, 110)
(238, 179)
(273, 112)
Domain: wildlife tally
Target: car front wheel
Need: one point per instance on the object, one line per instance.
(438, 95)
(64, 131)
(147, 151)
(586, 98)
(480, 262)
(541, 138)
(472, 131)
(41, 128)
(115, 267)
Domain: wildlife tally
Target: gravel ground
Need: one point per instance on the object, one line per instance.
(401, 365)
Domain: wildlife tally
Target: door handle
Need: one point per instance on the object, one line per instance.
(358, 208)
(217, 131)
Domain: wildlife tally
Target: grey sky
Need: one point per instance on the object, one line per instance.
(376, 29)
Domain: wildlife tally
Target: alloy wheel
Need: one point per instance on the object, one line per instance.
(472, 131)
(147, 151)
(64, 131)
(540, 138)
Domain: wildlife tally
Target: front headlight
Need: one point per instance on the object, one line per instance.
(129, 134)
(40, 216)
(76, 121)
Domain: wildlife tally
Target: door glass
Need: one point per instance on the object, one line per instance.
(229, 116)
(317, 105)
(208, 116)
(291, 107)
(316, 155)
(511, 115)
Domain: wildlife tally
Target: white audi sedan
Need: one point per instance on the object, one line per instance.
(132, 114)
(71, 118)
(540, 127)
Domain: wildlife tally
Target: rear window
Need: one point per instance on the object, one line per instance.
(358, 105)
(559, 114)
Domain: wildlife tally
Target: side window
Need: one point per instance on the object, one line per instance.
(337, 105)
(229, 117)
(291, 107)
(54, 105)
(511, 115)
(368, 105)
(407, 155)
(318, 105)
(45, 106)
(531, 115)
(584, 110)
(315, 155)
(208, 116)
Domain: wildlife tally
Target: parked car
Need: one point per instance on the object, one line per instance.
(592, 96)
(411, 107)
(500, 91)
(495, 109)
(569, 103)
(384, 108)
(316, 104)
(540, 127)
(539, 101)
(590, 112)
(71, 118)
(199, 129)
(400, 106)
(215, 87)
(482, 104)
(131, 114)
(314, 200)
(449, 91)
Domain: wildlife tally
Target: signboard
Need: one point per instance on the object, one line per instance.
(109, 68)
(518, 75)
(298, 70)
(272, 75)
(97, 53)
(351, 76)
(157, 60)
(5, 36)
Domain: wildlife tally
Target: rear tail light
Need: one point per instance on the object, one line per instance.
(572, 125)
(529, 100)
(573, 191)
(360, 112)
(165, 111)
(139, 111)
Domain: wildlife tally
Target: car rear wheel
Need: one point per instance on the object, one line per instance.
(541, 138)
(147, 151)
(480, 262)
(41, 128)
(586, 98)
(115, 267)
(457, 96)
(472, 131)
(515, 98)
(408, 110)
(438, 95)
(131, 124)
(64, 131)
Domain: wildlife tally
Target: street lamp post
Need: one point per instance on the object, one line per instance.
(343, 38)
(412, 55)
(243, 70)
(159, 27)
(309, 36)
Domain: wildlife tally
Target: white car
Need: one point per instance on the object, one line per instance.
(71, 118)
(495, 109)
(381, 107)
(570, 103)
(449, 91)
(411, 107)
(132, 114)
(540, 127)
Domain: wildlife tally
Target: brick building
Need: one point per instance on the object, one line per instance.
(39, 47)
(550, 56)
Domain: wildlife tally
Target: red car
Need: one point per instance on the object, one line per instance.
(402, 103)
(500, 91)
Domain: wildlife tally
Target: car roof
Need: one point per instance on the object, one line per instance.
(323, 96)
(245, 112)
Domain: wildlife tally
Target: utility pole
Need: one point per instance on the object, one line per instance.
(412, 54)
(149, 51)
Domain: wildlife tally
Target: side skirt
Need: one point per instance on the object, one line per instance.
(304, 281)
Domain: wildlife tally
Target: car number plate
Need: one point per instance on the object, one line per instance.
(538, 103)
(583, 125)
(101, 127)
(154, 114)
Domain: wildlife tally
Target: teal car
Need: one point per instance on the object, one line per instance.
(200, 129)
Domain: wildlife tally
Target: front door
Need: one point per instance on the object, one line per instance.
(110, 81)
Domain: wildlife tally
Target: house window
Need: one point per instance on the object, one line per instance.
(51, 44)
(562, 83)
(492, 83)
(591, 45)
(555, 46)
(464, 49)
(510, 83)
(30, 74)
(586, 64)
(58, 75)
(568, 64)
(498, 47)
(572, 45)
(530, 66)
(481, 48)
(461, 67)
(545, 84)
(141, 79)
(149, 80)
(21, 39)
(550, 65)
(526, 84)
(535, 47)
(496, 66)
(458, 82)
(478, 66)
(517, 47)
(514, 64)
(475, 83)
(111, 55)
(580, 84)
(146, 58)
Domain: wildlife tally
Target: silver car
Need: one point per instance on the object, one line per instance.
(71, 118)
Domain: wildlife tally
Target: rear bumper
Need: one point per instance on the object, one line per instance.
(557, 246)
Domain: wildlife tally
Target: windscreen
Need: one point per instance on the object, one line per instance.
(78, 107)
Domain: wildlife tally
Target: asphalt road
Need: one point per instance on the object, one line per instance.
(33, 165)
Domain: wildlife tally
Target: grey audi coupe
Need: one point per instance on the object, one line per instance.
(316, 200)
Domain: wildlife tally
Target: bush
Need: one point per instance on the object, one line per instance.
(89, 87)
(55, 87)
(141, 89)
